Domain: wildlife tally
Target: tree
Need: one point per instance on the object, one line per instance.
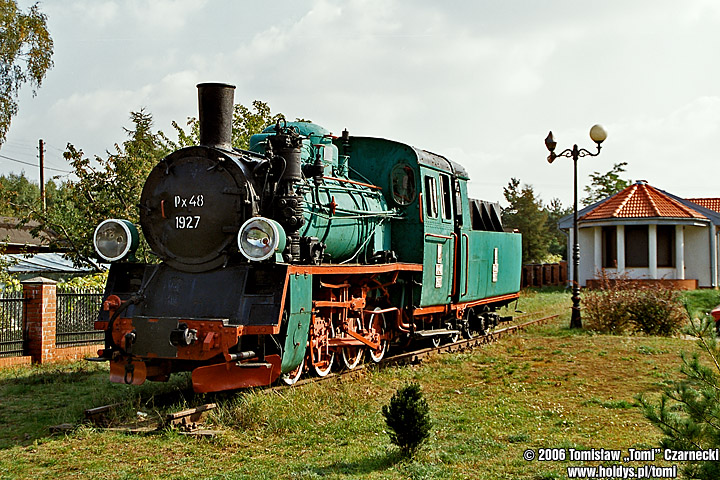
(26, 50)
(688, 413)
(408, 418)
(105, 188)
(604, 185)
(526, 213)
(17, 194)
(557, 246)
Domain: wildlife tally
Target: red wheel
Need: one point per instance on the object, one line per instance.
(321, 356)
(378, 326)
(351, 356)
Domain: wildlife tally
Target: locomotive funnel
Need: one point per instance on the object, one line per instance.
(215, 105)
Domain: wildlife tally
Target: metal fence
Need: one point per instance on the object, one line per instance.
(76, 314)
(11, 324)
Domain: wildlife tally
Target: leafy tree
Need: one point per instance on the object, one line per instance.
(526, 213)
(408, 418)
(26, 50)
(688, 412)
(604, 185)
(105, 188)
(557, 246)
(17, 194)
(8, 281)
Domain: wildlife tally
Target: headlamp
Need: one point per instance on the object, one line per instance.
(260, 238)
(115, 239)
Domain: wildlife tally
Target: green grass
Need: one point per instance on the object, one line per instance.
(551, 300)
(37, 397)
(547, 386)
(700, 302)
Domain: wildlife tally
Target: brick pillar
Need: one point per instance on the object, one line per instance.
(39, 317)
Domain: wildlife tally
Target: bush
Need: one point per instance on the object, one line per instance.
(688, 412)
(622, 305)
(408, 418)
(606, 311)
(95, 281)
(657, 311)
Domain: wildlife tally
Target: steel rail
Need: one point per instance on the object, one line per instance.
(417, 355)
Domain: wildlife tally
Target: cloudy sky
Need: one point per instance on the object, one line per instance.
(481, 82)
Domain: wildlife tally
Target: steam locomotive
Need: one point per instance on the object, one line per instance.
(304, 252)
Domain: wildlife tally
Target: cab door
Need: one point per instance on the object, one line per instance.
(462, 231)
(439, 239)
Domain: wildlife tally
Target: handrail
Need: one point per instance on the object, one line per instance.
(467, 262)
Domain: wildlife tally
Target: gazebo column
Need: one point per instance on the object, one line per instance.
(652, 250)
(597, 250)
(713, 255)
(620, 248)
(679, 252)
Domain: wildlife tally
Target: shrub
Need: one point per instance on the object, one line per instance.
(688, 412)
(657, 311)
(408, 418)
(95, 281)
(622, 305)
(606, 311)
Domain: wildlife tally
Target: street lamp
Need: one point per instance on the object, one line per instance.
(598, 135)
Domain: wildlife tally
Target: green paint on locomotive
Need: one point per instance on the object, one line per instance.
(299, 300)
(430, 192)
(379, 194)
(351, 218)
(393, 167)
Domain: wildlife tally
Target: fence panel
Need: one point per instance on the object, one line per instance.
(76, 314)
(544, 274)
(11, 324)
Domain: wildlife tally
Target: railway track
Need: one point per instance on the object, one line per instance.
(190, 421)
(418, 355)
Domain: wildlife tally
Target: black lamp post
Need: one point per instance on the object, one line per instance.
(598, 135)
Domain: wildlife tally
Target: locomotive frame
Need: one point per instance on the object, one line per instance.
(309, 250)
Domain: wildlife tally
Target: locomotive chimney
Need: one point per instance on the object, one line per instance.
(215, 105)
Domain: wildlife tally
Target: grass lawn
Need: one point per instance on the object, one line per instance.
(545, 387)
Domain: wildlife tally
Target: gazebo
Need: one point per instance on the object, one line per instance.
(647, 234)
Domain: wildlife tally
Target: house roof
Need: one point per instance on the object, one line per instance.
(12, 235)
(41, 263)
(710, 203)
(641, 200)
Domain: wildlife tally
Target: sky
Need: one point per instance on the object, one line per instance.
(480, 82)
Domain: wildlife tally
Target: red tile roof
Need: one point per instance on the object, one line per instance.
(710, 203)
(641, 200)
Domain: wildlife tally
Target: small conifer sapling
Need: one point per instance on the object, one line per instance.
(408, 418)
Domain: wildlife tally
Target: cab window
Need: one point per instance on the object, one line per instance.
(402, 181)
(446, 197)
(431, 198)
